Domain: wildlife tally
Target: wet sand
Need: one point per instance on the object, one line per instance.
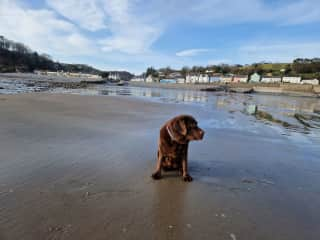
(78, 167)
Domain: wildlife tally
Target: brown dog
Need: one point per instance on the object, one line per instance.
(173, 145)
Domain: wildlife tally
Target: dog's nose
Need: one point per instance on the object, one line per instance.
(201, 133)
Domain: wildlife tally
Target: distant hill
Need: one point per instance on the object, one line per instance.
(304, 67)
(16, 57)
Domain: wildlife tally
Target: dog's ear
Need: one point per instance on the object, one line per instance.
(177, 130)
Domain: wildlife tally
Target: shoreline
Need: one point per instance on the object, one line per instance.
(42, 83)
(296, 90)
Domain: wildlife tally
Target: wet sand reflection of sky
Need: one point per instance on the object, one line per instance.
(289, 115)
(229, 110)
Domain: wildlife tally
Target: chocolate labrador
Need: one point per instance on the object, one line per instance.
(173, 145)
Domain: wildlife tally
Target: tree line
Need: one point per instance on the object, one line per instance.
(307, 68)
(15, 56)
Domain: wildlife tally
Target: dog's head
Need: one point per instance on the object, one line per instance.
(184, 128)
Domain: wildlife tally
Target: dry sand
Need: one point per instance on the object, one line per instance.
(78, 167)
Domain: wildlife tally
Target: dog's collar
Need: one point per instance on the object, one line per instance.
(170, 133)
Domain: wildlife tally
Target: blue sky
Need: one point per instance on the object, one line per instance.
(134, 34)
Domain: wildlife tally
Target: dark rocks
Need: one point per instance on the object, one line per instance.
(68, 85)
(214, 89)
(241, 90)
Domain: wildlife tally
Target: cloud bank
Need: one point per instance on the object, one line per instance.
(124, 33)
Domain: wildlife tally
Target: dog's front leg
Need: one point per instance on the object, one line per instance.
(185, 175)
(157, 173)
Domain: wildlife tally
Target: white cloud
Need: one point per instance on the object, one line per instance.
(217, 12)
(193, 52)
(280, 52)
(230, 11)
(41, 30)
(299, 12)
(127, 32)
(123, 32)
(86, 14)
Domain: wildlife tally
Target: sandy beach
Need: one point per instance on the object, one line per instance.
(78, 167)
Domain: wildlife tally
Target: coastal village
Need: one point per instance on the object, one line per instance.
(191, 78)
(209, 77)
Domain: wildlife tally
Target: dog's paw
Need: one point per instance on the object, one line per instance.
(187, 178)
(156, 176)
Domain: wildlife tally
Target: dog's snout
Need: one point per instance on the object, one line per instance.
(201, 132)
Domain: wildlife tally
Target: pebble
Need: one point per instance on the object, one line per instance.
(58, 228)
(189, 225)
(245, 180)
(170, 227)
(233, 236)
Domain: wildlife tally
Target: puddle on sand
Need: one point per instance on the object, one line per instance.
(19, 86)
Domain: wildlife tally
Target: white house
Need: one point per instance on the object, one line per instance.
(151, 79)
(82, 75)
(215, 78)
(240, 78)
(49, 73)
(137, 79)
(180, 80)
(114, 76)
(310, 81)
(271, 79)
(226, 79)
(192, 78)
(203, 78)
(291, 79)
(255, 78)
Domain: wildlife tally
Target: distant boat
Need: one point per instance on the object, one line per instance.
(214, 89)
(122, 83)
(119, 83)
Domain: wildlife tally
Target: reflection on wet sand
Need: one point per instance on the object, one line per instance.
(262, 115)
(307, 121)
(310, 121)
(165, 95)
(293, 114)
(298, 115)
(169, 208)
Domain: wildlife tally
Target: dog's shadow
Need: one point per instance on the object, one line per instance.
(204, 171)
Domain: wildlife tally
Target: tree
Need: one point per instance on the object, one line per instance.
(167, 71)
(184, 71)
(151, 71)
(225, 69)
(2, 41)
(104, 75)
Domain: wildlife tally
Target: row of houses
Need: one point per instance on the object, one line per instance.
(67, 74)
(206, 78)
